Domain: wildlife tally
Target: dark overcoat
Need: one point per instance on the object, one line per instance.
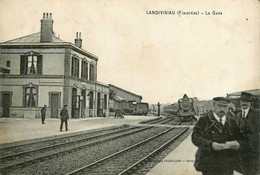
(43, 111)
(249, 129)
(208, 130)
(64, 115)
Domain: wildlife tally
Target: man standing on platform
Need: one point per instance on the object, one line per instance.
(249, 125)
(216, 136)
(64, 116)
(43, 112)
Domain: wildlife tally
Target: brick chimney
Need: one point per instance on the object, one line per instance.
(78, 40)
(46, 27)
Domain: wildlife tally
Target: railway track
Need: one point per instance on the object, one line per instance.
(156, 121)
(129, 159)
(77, 155)
(21, 147)
(167, 120)
(161, 121)
(25, 157)
(185, 123)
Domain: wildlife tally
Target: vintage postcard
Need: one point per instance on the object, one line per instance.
(129, 87)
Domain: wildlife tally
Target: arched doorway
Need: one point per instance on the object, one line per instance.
(91, 103)
(99, 105)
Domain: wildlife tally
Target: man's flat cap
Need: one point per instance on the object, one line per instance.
(222, 100)
(246, 96)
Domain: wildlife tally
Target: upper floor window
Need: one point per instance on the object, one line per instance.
(75, 67)
(84, 70)
(91, 72)
(31, 64)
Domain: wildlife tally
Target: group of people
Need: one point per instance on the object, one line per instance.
(64, 116)
(227, 142)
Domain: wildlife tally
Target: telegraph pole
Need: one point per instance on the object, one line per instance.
(158, 109)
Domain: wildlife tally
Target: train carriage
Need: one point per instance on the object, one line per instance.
(140, 108)
(128, 108)
(171, 109)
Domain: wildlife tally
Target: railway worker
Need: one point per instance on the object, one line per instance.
(64, 116)
(249, 127)
(216, 135)
(43, 113)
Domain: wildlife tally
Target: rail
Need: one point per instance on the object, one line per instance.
(2, 169)
(119, 152)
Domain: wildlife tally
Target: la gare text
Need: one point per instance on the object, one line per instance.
(180, 12)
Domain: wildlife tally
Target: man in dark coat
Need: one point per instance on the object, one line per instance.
(216, 136)
(249, 124)
(43, 112)
(64, 116)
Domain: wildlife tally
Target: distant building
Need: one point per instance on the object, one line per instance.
(122, 100)
(47, 70)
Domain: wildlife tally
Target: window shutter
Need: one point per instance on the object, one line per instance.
(77, 68)
(72, 66)
(82, 69)
(22, 64)
(86, 70)
(39, 65)
(82, 66)
(90, 71)
(93, 73)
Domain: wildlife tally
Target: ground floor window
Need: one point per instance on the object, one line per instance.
(30, 96)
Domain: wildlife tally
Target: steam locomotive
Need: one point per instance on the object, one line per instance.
(184, 109)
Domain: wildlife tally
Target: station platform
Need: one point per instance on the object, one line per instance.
(179, 162)
(15, 129)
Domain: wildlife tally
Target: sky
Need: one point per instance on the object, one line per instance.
(160, 57)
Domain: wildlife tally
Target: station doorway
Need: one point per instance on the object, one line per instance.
(6, 101)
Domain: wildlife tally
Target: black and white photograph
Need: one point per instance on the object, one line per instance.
(129, 87)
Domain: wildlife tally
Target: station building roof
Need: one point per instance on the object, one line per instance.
(35, 40)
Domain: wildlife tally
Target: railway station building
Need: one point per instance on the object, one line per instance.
(41, 69)
(121, 98)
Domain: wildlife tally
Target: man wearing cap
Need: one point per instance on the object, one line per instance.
(216, 136)
(248, 122)
(43, 111)
(64, 116)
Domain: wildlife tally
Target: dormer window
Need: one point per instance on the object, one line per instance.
(31, 64)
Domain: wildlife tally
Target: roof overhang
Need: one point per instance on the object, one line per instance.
(118, 98)
(253, 92)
